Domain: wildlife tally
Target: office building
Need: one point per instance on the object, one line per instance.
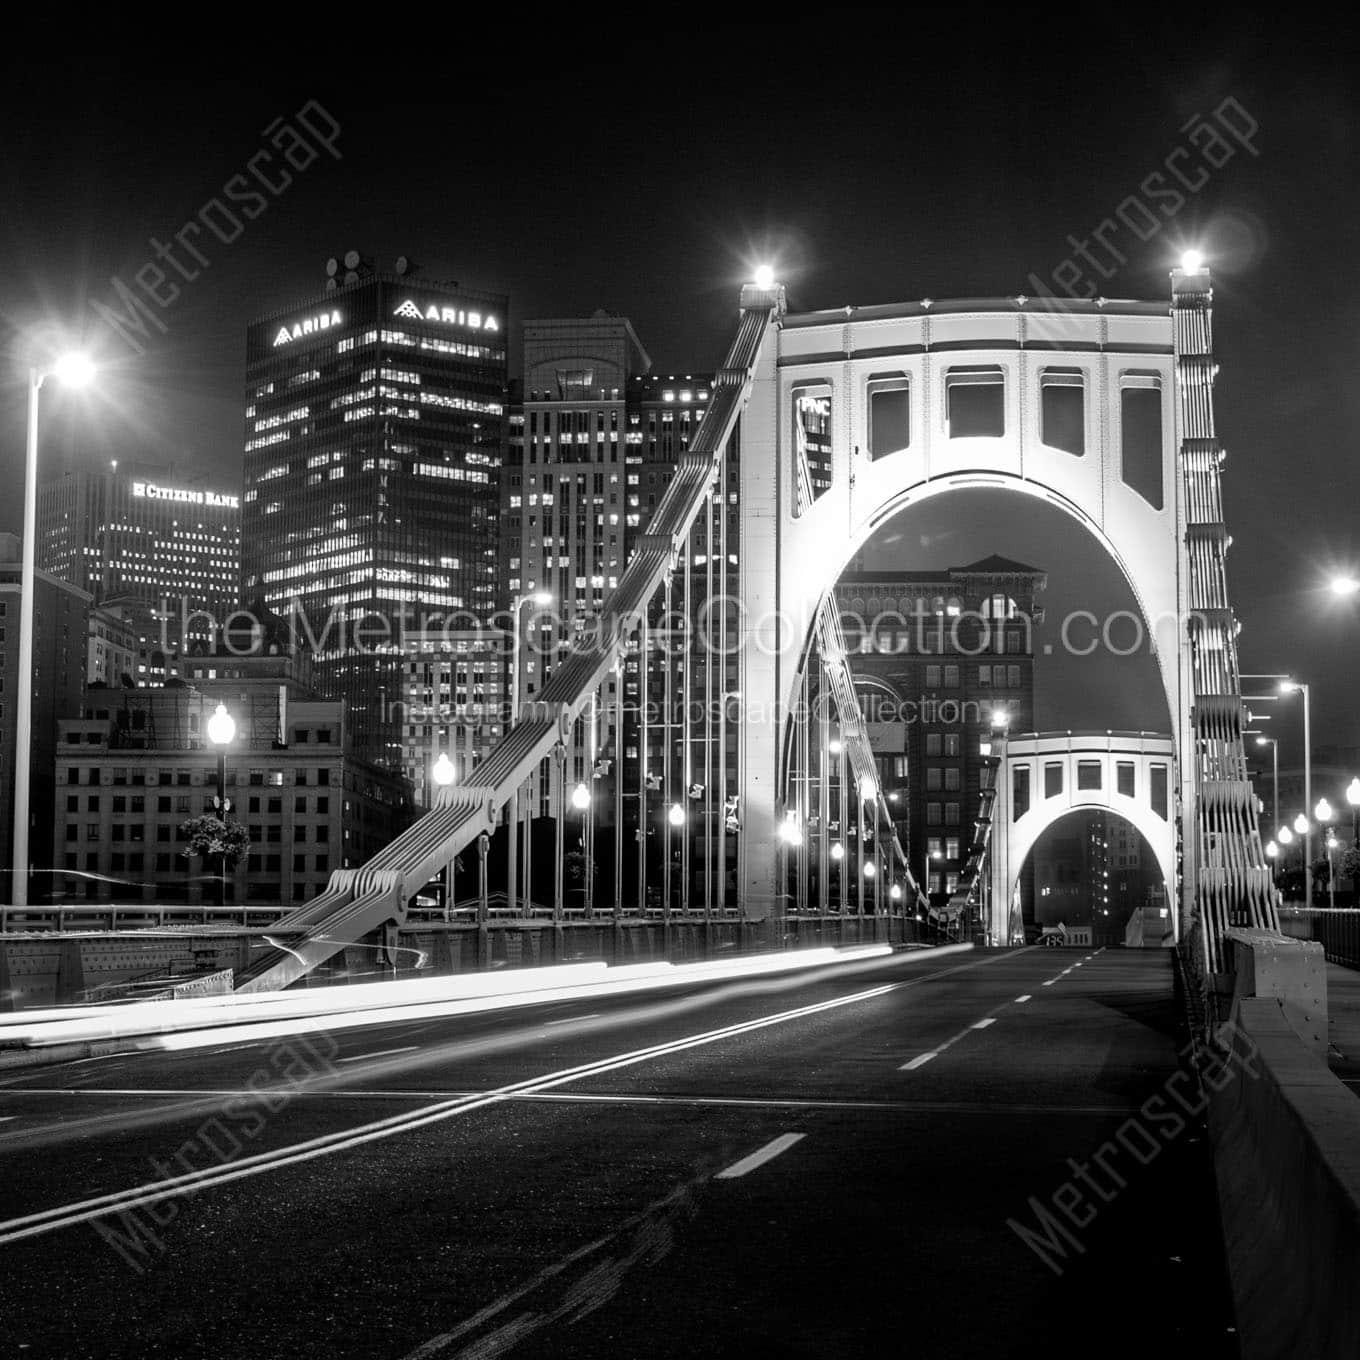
(454, 701)
(135, 764)
(164, 536)
(375, 433)
(937, 657)
(60, 648)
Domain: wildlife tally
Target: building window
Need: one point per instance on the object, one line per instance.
(1124, 778)
(1013, 677)
(932, 677)
(1141, 435)
(1157, 793)
(951, 677)
(1053, 779)
(812, 442)
(951, 847)
(932, 743)
(934, 779)
(1062, 399)
(951, 814)
(1089, 774)
(975, 400)
(933, 814)
(951, 744)
(952, 779)
(889, 414)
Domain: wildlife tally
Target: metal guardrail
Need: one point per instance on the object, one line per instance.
(1336, 929)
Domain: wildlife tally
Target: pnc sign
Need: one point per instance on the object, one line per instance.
(309, 325)
(151, 492)
(447, 316)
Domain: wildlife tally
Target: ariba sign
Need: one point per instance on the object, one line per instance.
(151, 492)
(447, 316)
(309, 325)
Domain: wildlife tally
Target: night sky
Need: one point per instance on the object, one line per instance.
(646, 172)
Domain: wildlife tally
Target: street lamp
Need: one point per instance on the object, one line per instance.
(444, 774)
(1286, 836)
(540, 598)
(1353, 798)
(580, 800)
(1292, 687)
(1344, 585)
(1323, 812)
(72, 370)
(221, 732)
(1274, 745)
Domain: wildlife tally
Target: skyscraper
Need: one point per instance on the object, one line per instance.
(375, 432)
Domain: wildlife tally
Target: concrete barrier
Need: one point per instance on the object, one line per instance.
(1292, 971)
(1286, 1138)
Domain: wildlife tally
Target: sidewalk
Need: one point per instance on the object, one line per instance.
(1343, 1024)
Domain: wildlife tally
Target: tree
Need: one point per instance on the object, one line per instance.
(209, 835)
(1350, 867)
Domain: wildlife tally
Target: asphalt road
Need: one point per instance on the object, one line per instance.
(875, 1159)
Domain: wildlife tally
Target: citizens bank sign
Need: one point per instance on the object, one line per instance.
(447, 316)
(309, 325)
(151, 492)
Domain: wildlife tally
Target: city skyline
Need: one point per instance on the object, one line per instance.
(839, 186)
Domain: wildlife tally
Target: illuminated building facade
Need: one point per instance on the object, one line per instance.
(135, 764)
(375, 432)
(936, 655)
(168, 537)
(454, 701)
(60, 629)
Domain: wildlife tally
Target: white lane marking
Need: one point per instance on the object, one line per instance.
(982, 1024)
(760, 1156)
(5, 1118)
(919, 1061)
(1050, 982)
(153, 1192)
(1020, 1000)
(386, 1053)
(570, 1018)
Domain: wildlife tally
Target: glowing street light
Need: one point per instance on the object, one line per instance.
(1192, 262)
(1323, 810)
(1298, 687)
(541, 599)
(676, 815)
(1272, 850)
(1302, 825)
(837, 852)
(764, 278)
(580, 798)
(72, 370)
(444, 772)
(221, 732)
(789, 830)
(1286, 836)
(1344, 585)
(869, 869)
(895, 892)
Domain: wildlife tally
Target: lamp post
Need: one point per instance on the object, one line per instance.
(1331, 844)
(580, 800)
(1274, 744)
(675, 817)
(540, 598)
(444, 775)
(73, 370)
(1353, 798)
(1323, 812)
(1291, 687)
(221, 732)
